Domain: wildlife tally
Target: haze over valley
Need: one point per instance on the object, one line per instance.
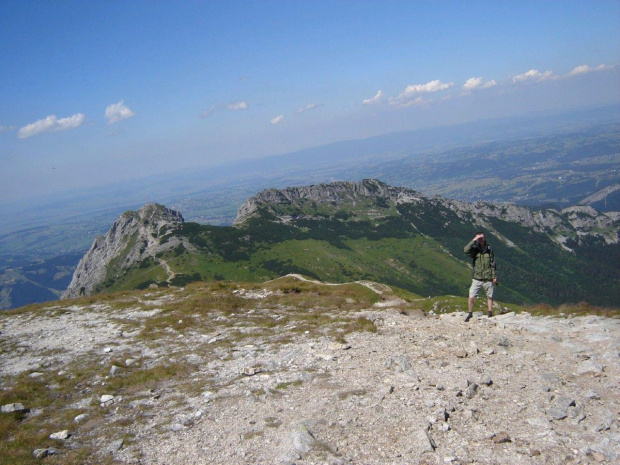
(575, 164)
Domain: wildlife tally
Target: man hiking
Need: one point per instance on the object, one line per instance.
(483, 268)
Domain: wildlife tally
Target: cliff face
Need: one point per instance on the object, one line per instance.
(335, 193)
(569, 227)
(133, 237)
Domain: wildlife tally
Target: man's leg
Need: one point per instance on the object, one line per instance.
(471, 308)
(490, 290)
(473, 291)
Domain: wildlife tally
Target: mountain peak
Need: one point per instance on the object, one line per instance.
(133, 237)
(335, 193)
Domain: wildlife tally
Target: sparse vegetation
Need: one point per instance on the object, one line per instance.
(414, 246)
(219, 318)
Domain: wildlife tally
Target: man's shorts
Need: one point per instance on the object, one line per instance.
(477, 285)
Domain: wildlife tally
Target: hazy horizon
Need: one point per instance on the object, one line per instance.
(103, 92)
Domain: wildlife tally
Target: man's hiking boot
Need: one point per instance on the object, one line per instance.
(468, 317)
(490, 315)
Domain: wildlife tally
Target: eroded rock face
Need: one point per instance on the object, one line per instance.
(575, 223)
(133, 237)
(336, 192)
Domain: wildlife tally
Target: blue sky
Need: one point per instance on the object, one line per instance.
(96, 92)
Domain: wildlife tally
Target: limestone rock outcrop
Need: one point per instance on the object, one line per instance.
(568, 227)
(134, 236)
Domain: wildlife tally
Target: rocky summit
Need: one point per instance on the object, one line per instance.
(134, 237)
(297, 372)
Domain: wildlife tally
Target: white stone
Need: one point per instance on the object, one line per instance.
(107, 399)
(62, 435)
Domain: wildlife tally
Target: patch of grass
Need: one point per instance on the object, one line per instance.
(317, 294)
(272, 422)
(171, 320)
(118, 300)
(253, 434)
(21, 434)
(353, 392)
(202, 298)
(355, 325)
(52, 394)
(579, 309)
(27, 391)
(286, 385)
(142, 379)
(19, 440)
(266, 321)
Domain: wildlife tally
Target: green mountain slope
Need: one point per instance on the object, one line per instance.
(345, 232)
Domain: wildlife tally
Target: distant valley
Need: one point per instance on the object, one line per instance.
(573, 165)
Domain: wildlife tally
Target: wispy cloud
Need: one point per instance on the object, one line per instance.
(208, 112)
(584, 69)
(310, 106)
(410, 96)
(277, 119)
(418, 101)
(236, 106)
(4, 129)
(378, 98)
(476, 83)
(533, 75)
(50, 124)
(118, 112)
(429, 87)
(232, 106)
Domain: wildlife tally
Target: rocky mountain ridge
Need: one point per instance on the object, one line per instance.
(572, 222)
(135, 236)
(335, 193)
(154, 246)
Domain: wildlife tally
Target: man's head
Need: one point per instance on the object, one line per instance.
(480, 238)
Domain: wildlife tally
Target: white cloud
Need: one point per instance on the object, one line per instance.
(4, 129)
(236, 106)
(429, 87)
(532, 75)
(477, 83)
(410, 95)
(378, 98)
(583, 69)
(310, 106)
(50, 124)
(118, 112)
(277, 119)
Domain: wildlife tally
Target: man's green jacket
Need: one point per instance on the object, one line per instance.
(483, 265)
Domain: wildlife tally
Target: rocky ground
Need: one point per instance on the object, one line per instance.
(413, 388)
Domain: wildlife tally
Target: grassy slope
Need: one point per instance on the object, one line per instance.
(416, 247)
